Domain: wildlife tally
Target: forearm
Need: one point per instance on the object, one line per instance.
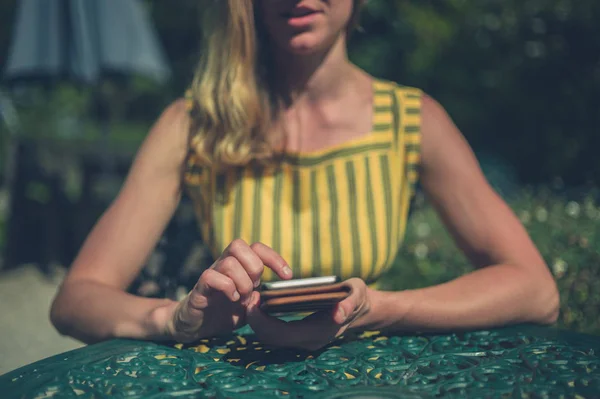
(91, 312)
(492, 296)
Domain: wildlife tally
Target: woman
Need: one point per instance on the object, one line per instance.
(283, 142)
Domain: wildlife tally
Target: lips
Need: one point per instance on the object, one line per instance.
(300, 11)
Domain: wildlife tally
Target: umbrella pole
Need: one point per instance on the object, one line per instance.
(9, 116)
(106, 158)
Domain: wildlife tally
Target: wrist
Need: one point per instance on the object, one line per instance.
(386, 309)
(159, 320)
(374, 316)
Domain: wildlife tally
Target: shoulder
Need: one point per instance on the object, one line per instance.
(175, 116)
(173, 123)
(443, 145)
(403, 91)
(408, 100)
(435, 121)
(167, 140)
(436, 126)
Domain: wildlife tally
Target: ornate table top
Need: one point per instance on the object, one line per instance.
(521, 362)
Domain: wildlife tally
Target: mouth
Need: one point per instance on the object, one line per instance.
(298, 12)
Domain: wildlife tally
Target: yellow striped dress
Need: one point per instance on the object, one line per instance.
(340, 211)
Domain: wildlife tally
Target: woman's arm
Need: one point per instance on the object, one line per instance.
(91, 304)
(512, 282)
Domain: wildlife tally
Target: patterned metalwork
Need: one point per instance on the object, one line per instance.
(521, 362)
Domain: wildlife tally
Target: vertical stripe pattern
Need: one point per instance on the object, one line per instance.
(372, 223)
(341, 211)
(276, 220)
(334, 230)
(317, 231)
(296, 234)
(257, 206)
(353, 218)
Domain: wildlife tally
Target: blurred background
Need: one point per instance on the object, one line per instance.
(81, 86)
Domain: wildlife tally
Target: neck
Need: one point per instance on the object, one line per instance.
(314, 76)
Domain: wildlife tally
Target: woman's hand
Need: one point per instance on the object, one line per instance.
(217, 304)
(316, 330)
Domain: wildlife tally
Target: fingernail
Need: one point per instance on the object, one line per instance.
(342, 314)
(236, 296)
(256, 283)
(255, 300)
(249, 301)
(286, 271)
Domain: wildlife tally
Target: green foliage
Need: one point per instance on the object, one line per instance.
(567, 234)
(520, 78)
(64, 116)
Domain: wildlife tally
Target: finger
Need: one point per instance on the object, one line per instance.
(272, 260)
(246, 256)
(213, 281)
(345, 310)
(233, 269)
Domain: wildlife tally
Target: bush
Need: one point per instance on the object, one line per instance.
(518, 77)
(566, 232)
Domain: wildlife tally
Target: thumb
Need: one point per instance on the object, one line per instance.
(252, 310)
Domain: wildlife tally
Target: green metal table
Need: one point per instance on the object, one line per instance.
(520, 362)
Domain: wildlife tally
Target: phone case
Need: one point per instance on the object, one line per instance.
(303, 299)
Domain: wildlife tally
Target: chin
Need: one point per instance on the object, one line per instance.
(305, 44)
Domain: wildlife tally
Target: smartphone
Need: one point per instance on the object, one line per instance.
(302, 295)
(299, 283)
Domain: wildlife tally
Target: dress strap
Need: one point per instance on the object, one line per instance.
(408, 131)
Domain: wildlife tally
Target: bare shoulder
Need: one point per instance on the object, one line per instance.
(174, 121)
(177, 111)
(442, 142)
(167, 141)
(431, 109)
(435, 121)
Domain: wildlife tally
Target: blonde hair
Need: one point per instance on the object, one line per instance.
(233, 100)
